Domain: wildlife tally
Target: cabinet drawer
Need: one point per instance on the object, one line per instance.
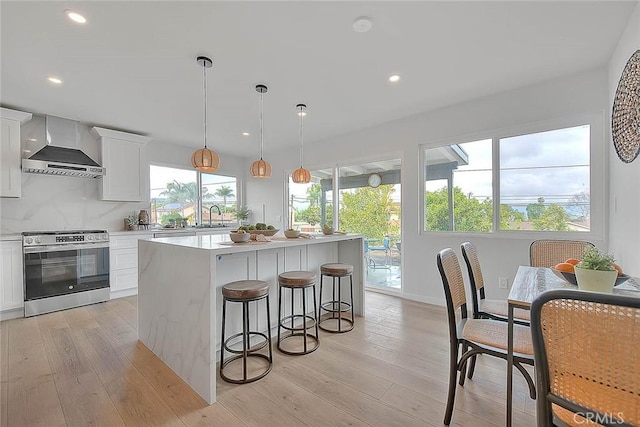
(123, 279)
(123, 242)
(124, 258)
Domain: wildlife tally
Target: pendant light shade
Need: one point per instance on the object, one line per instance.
(205, 160)
(301, 175)
(261, 168)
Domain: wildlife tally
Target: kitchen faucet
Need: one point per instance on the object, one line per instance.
(219, 213)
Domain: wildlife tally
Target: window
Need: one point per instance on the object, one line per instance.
(542, 183)
(458, 187)
(311, 205)
(221, 191)
(176, 197)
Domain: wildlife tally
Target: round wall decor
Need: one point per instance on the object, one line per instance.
(625, 117)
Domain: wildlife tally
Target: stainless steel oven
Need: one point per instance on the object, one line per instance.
(64, 269)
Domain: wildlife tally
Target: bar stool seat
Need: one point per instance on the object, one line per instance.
(336, 306)
(245, 291)
(302, 280)
(336, 269)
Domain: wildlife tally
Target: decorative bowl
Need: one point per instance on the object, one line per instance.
(571, 277)
(239, 237)
(292, 234)
(327, 230)
(264, 232)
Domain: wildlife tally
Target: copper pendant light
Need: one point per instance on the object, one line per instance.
(205, 160)
(301, 175)
(261, 168)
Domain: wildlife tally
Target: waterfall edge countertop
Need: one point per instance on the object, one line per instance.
(179, 291)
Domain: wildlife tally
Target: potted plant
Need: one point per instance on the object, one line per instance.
(595, 272)
(131, 223)
(242, 213)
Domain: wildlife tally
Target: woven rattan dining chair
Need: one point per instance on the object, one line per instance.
(486, 308)
(547, 253)
(470, 337)
(586, 347)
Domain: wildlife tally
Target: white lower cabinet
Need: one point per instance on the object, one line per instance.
(123, 263)
(11, 278)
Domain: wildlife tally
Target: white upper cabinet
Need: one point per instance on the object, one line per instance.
(124, 155)
(10, 158)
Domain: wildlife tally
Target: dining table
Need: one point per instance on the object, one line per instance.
(528, 284)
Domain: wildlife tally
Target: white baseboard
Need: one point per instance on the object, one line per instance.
(124, 293)
(419, 298)
(13, 313)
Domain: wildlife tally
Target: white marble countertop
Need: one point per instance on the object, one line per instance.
(221, 243)
(170, 231)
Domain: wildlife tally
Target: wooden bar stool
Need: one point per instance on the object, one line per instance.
(245, 291)
(302, 280)
(336, 306)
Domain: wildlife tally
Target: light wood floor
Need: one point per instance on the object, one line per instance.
(85, 367)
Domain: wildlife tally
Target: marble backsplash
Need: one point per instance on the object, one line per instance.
(62, 203)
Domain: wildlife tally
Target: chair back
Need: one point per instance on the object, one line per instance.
(586, 347)
(547, 253)
(386, 242)
(476, 280)
(453, 284)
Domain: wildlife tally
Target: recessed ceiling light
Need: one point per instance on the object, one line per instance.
(75, 17)
(245, 134)
(32, 140)
(362, 24)
(54, 80)
(394, 78)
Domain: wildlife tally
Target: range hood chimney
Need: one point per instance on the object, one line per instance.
(62, 155)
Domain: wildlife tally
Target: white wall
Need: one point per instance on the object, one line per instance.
(573, 95)
(51, 202)
(624, 227)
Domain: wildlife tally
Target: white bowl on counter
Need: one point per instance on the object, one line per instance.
(292, 234)
(239, 237)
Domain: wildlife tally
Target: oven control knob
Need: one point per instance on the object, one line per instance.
(28, 240)
(90, 237)
(37, 240)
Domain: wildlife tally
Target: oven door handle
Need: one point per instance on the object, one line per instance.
(66, 247)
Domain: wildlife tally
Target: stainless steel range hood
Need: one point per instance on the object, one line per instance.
(61, 156)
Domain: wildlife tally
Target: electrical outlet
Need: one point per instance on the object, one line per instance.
(503, 283)
(278, 218)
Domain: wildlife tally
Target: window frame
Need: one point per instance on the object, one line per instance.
(239, 193)
(597, 182)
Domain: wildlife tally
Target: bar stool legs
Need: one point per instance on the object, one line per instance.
(304, 281)
(336, 306)
(245, 291)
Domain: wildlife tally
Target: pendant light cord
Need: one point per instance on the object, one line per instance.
(301, 134)
(261, 125)
(204, 79)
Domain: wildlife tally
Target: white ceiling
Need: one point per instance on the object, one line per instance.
(133, 67)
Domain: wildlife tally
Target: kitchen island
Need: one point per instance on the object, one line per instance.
(180, 300)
